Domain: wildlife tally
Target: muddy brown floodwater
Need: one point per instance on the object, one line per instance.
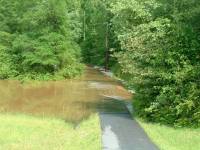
(72, 100)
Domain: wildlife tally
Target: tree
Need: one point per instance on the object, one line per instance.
(160, 54)
(45, 38)
(97, 33)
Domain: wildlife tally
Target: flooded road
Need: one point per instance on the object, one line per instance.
(72, 100)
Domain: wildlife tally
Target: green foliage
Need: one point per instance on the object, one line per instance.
(170, 138)
(41, 40)
(155, 45)
(160, 51)
(98, 37)
(7, 67)
(43, 133)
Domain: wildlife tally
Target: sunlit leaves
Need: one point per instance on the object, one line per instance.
(160, 49)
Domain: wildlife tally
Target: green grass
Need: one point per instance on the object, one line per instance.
(21, 132)
(168, 138)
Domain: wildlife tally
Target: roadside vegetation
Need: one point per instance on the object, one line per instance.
(160, 53)
(22, 132)
(170, 138)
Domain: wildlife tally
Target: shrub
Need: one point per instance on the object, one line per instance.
(42, 41)
(160, 52)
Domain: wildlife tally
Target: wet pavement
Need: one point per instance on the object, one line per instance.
(120, 132)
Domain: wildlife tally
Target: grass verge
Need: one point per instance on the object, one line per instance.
(21, 132)
(169, 138)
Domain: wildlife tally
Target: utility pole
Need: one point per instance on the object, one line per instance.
(107, 57)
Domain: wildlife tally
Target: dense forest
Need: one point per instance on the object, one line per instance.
(152, 44)
(39, 39)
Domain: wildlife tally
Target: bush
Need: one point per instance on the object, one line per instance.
(42, 42)
(160, 52)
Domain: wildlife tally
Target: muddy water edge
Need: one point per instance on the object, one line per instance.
(71, 100)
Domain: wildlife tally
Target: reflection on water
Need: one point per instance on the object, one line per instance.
(72, 100)
(110, 139)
